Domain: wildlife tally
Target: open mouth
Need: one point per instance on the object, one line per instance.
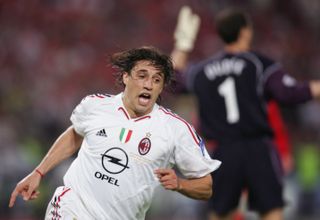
(144, 98)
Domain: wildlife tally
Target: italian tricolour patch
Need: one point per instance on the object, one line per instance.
(125, 135)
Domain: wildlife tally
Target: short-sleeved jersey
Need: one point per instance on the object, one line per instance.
(232, 90)
(113, 173)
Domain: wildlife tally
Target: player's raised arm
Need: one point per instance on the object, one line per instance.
(185, 35)
(67, 144)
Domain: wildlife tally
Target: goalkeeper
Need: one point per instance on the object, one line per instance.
(232, 88)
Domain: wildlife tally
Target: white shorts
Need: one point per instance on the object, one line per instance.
(65, 205)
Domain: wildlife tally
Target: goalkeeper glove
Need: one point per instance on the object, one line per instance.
(186, 30)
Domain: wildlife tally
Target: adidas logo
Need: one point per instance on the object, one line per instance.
(102, 133)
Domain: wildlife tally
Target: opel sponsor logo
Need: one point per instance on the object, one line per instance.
(115, 160)
(107, 178)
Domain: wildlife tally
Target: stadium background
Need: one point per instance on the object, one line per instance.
(54, 52)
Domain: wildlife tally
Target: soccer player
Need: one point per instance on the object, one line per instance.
(232, 88)
(128, 146)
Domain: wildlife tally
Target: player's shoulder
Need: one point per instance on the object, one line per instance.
(93, 100)
(166, 113)
(178, 125)
(171, 118)
(200, 65)
(213, 58)
(97, 97)
(265, 60)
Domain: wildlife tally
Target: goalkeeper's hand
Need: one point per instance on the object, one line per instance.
(186, 30)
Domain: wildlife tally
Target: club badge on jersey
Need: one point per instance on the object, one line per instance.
(145, 145)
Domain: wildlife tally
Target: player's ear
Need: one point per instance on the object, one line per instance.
(125, 78)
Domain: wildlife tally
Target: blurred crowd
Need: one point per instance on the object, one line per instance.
(55, 52)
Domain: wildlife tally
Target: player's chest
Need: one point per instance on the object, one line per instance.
(147, 139)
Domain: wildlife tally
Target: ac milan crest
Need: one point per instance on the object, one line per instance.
(144, 146)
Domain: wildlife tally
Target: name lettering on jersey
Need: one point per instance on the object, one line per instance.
(106, 178)
(224, 67)
(125, 135)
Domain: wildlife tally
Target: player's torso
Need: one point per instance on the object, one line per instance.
(118, 157)
(123, 144)
(230, 93)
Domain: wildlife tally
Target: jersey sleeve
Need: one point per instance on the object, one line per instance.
(281, 86)
(190, 74)
(190, 154)
(188, 77)
(285, 89)
(81, 113)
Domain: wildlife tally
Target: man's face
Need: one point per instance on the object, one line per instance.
(142, 88)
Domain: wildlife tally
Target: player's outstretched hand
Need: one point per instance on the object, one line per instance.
(186, 30)
(27, 188)
(168, 179)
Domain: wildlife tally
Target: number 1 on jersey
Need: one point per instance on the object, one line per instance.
(228, 91)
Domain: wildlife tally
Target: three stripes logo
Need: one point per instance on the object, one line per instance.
(125, 135)
(102, 133)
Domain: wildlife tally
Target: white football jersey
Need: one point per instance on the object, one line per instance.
(113, 173)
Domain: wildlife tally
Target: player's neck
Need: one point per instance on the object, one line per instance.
(132, 111)
(237, 47)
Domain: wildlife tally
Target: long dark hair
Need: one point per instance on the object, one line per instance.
(124, 62)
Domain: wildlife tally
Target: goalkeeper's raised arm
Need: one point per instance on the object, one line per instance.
(185, 35)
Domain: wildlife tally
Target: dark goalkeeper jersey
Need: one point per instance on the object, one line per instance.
(232, 91)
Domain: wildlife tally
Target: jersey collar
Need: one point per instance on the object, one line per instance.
(122, 110)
